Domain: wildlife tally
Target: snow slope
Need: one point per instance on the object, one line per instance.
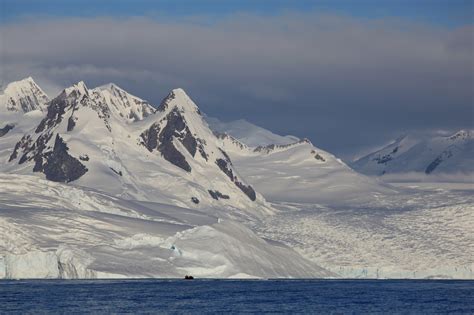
(431, 156)
(54, 230)
(248, 133)
(300, 172)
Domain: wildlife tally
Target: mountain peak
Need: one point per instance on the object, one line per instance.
(79, 87)
(29, 79)
(23, 96)
(178, 98)
(124, 104)
(110, 87)
(462, 135)
(179, 91)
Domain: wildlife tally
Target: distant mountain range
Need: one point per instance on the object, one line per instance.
(427, 155)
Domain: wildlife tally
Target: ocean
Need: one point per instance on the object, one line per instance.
(237, 296)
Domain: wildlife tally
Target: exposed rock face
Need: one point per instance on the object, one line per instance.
(234, 141)
(57, 164)
(53, 159)
(439, 159)
(119, 173)
(60, 166)
(384, 159)
(215, 194)
(6, 129)
(164, 103)
(150, 137)
(164, 135)
(84, 158)
(23, 144)
(153, 139)
(162, 139)
(54, 115)
(273, 147)
(224, 165)
(71, 122)
(319, 157)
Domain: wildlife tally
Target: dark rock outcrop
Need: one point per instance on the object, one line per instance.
(162, 139)
(224, 166)
(215, 194)
(54, 115)
(24, 143)
(119, 173)
(6, 129)
(150, 137)
(319, 157)
(383, 159)
(71, 123)
(195, 200)
(439, 159)
(84, 157)
(60, 166)
(236, 142)
(272, 147)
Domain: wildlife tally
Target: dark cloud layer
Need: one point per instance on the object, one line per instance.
(345, 83)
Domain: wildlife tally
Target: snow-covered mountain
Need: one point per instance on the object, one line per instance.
(126, 105)
(171, 156)
(248, 133)
(297, 171)
(99, 183)
(22, 96)
(124, 172)
(432, 155)
(22, 106)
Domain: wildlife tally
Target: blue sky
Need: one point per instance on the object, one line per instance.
(348, 75)
(443, 12)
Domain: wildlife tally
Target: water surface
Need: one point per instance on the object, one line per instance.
(237, 296)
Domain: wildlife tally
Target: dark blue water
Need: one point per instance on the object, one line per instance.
(227, 296)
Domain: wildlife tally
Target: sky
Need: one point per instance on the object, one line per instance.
(348, 75)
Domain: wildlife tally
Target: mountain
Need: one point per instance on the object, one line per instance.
(286, 168)
(23, 96)
(249, 133)
(100, 184)
(353, 225)
(299, 172)
(128, 195)
(126, 105)
(432, 155)
(171, 156)
(22, 106)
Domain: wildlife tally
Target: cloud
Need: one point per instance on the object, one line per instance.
(345, 83)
